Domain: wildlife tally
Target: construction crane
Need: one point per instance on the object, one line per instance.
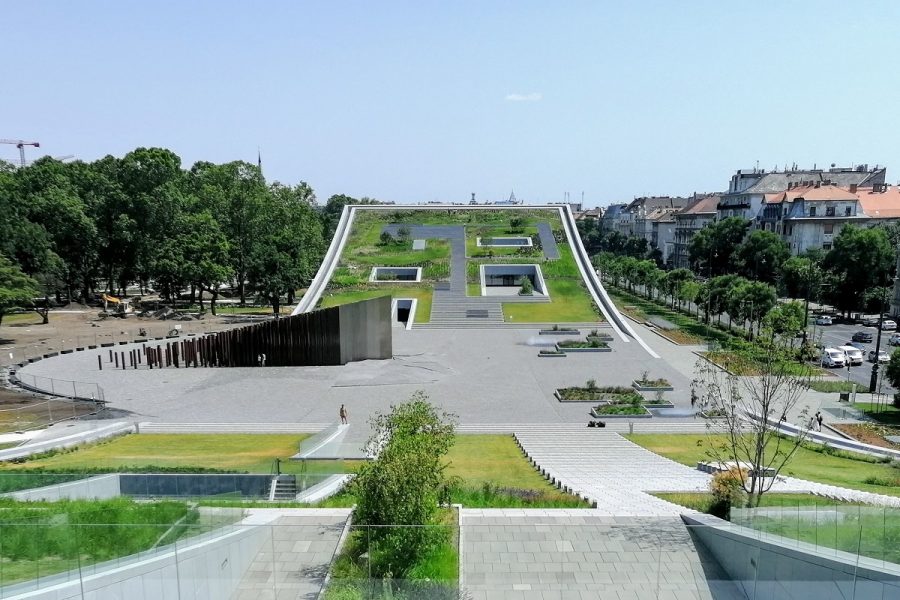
(20, 144)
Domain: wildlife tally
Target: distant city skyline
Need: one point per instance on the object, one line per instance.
(415, 103)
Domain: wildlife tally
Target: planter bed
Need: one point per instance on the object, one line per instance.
(552, 354)
(658, 405)
(559, 332)
(565, 350)
(611, 395)
(653, 386)
(705, 415)
(643, 415)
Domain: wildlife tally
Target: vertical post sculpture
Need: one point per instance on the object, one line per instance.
(100, 362)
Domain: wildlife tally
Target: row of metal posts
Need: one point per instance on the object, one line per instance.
(194, 352)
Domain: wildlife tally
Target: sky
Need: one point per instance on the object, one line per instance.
(424, 101)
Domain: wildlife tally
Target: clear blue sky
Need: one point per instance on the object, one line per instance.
(420, 101)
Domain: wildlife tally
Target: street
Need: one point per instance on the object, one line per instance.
(833, 336)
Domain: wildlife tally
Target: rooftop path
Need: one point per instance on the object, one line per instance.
(545, 554)
(293, 564)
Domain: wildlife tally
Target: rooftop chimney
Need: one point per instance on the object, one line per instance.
(853, 188)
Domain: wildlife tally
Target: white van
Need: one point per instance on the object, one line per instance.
(832, 357)
(852, 355)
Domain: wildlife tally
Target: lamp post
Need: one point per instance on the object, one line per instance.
(873, 381)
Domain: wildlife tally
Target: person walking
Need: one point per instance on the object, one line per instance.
(819, 419)
(343, 413)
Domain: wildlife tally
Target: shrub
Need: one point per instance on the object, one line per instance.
(386, 238)
(527, 288)
(591, 384)
(727, 491)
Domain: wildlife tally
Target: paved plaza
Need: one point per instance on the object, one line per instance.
(482, 375)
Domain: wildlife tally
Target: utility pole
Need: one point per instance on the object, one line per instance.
(873, 382)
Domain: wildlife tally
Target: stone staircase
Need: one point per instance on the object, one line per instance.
(283, 489)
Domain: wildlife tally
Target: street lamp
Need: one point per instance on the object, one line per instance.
(873, 381)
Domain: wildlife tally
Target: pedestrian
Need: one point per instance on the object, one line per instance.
(819, 419)
(264, 359)
(343, 413)
(693, 398)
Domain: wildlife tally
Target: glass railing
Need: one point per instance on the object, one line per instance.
(220, 553)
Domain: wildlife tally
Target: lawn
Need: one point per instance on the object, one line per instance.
(491, 231)
(569, 303)
(253, 453)
(841, 469)
(886, 413)
(473, 289)
(505, 470)
(832, 386)
(423, 294)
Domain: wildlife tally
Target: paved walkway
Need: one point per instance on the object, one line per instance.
(619, 476)
(293, 564)
(548, 242)
(529, 555)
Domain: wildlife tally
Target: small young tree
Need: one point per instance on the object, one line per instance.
(398, 492)
(386, 238)
(751, 409)
(403, 233)
(527, 288)
(516, 224)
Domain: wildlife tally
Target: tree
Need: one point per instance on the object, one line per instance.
(800, 278)
(750, 301)
(16, 288)
(751, 408)
(892, 373)
(861, 258)
(711, 249)
(761, 255)
(402, 485)
(786, 320)
(674, 282)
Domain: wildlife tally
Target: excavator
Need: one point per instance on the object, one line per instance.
(115, 307)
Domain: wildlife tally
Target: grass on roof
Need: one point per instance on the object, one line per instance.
(838, 468)
(396, 290)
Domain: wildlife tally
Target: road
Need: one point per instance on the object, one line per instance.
(839, 335)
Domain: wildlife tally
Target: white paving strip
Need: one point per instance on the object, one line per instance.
(619, 476)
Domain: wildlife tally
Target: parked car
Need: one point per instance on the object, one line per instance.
(824, 320)
(895, 339)
(858, 345)
(870, 322)
(863, 336)
(853, 355)
(832, 357)
(882, 356)
(888, 325)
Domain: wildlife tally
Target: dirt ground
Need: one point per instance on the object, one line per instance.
(869, 433)
(23, 336)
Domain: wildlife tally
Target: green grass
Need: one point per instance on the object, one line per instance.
(821, 385)
(21, 319)
(491, 231)
(702, 501)
(41, 538)
(423, 294)
(473, 289)
(886, 413)
(253, 453)
(837, 468)
(569, 303)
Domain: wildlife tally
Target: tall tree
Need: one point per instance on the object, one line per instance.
(761, 255)
(861, 258)
(712, 247)
(16, 288)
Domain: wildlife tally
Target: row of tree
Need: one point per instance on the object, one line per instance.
(752, 303)
(76, 229)
(854, 274)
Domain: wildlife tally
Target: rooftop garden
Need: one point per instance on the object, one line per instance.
(369, 245)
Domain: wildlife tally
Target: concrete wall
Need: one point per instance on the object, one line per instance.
(192, 485)
(99, 487)
(365, 330)
(775, 568)
(206, 569)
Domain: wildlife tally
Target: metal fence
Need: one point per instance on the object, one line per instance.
(80, 390)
